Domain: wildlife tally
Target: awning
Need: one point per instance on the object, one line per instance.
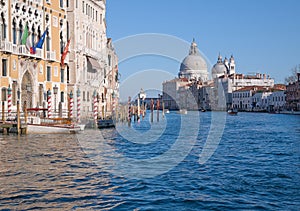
(92, 65)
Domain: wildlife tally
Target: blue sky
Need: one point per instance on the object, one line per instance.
(263, 35)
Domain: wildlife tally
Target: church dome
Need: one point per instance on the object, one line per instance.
(219, 68)
(193, 66)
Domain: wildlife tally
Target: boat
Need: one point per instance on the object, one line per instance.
(166, 111)
(39, 125)
(232, 112)
(182, 111)
(52, 129)
(106, 123)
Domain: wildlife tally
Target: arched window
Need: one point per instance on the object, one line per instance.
(33, 35)
(14, 32)
(20, 32)
(3, 27)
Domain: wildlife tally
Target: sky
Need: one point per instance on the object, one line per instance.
(262, 35)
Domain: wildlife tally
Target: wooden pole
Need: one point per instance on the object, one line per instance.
(25, 116)
(18, 117)
(152, 108)
(163, 109)
(157, 109)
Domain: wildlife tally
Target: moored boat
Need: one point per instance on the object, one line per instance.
(105, 123)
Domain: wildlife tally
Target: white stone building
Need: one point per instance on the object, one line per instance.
(92, 60)
(258, 98)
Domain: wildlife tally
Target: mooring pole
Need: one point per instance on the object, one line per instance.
(18, 117)
(152, 108)
(157, 109)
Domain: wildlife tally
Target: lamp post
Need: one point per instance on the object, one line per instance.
(55, 90)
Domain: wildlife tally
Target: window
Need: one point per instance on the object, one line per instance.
(48, 42)
(88, 96)
(100, 18)
(76, 5)
(62, 75)
(3, 94)
(20, 32)
(41, 94)
(14, 93)
(83, 7)
(56, 71)
(4, 67)
(48, 73)
(68, 74)
(96, 15)
(14, 32)
(62, 97)
(61, 3)
(83, 95)
(3, 27)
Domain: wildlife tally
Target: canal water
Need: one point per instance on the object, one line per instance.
(253, 164)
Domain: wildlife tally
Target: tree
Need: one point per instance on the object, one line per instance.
(292, 78)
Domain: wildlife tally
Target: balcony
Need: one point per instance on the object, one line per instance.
(51, 56)
(6, 46)
(23, 51)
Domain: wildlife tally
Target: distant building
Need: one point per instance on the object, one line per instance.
(293, 95)
(259, 98)
(193, 90)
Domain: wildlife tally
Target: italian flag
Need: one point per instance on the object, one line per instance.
(26, 39)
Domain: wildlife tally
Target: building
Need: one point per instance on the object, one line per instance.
(76, 59)
(31, 73)
(293, 95)
(93, 62)
(182, 92)
(226, 81)
(259, 98)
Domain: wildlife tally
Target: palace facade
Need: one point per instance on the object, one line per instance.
(58, 49)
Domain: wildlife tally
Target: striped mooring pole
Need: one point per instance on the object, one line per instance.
(78, 105)
(71, 104)
(49, 103)
(9, 101)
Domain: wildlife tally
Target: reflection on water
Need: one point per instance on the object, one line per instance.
(255, 167)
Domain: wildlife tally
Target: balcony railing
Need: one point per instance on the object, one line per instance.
(6, 46)
(51, 55)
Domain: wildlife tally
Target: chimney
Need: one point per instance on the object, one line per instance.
(265, 76)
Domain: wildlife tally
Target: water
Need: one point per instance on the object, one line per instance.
(256, 166)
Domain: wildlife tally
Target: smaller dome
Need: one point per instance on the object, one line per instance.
(219, 68)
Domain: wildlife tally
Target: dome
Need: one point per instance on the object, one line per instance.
(219, 68)
(193, 62)
(193, 66)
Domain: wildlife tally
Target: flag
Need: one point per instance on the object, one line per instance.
(64, 54)
(39, 43)
(25, 38)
